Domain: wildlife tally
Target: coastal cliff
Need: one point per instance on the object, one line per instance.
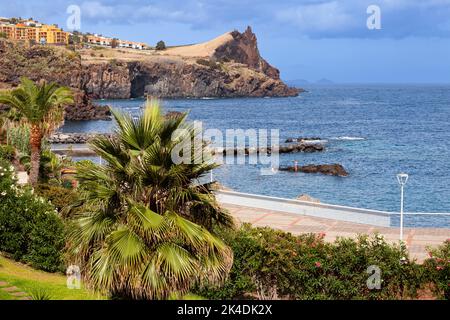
(228, 66)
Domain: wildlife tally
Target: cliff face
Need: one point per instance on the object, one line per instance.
(51, 64)
(178, 80)
(228, 67)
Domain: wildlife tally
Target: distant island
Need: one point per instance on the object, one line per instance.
(303, 82)
(324, 81)
(227, 66)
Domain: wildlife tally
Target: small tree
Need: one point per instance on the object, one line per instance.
(42, 107)
(74, 39)
(160, 45)
(114, 43)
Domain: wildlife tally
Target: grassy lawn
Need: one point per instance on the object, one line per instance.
(29, 280)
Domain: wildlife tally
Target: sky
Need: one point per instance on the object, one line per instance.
(305, 39)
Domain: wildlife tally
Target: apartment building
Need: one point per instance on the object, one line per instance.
(99, 40)
(34, 31)
(9, 30)
(132, 45)
(52, 34)
(108, 42)
(30, 30)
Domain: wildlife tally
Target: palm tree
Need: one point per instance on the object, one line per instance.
(142, 219)
(42, 106)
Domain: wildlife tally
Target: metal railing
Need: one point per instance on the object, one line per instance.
(329, 211)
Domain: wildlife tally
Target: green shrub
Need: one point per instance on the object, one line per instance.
(30, 229)
(7, 152)
(58, 195)
(437, 270)
(208, 63)
(40, 294)
(274, 264)
(46, 241)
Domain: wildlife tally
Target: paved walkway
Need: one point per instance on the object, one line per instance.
(417, 239)
(13, 291)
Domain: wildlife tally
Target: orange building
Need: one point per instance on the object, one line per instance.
(41, 33)
(9, 30)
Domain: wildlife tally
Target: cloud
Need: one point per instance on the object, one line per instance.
(347, 19)
(310, 18)
(328, 17)
(96, 10)
(136, 12)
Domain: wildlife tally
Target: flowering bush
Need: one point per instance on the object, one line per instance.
(30, 229)
(438, 270)
(7, 176)
(273, 264)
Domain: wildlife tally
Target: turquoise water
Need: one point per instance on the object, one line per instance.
(374, 131)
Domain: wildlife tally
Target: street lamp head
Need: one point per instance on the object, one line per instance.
(402, 178)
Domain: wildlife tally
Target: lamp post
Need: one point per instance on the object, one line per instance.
(402, 179)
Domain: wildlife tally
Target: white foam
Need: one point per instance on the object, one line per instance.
(314, 141)
(349, 138)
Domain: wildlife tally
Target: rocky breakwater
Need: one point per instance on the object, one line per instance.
(74, 138)
(328, 169)
(82, 138)
(291, 148)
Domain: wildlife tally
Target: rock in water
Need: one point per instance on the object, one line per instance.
(328, 169)
(306, 197)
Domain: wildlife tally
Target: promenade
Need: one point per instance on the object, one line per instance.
(417, 239)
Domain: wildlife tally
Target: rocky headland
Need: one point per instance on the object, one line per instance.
(228, 66)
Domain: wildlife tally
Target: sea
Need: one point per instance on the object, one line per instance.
(374, 131)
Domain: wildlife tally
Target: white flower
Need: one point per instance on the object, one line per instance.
(3, 193)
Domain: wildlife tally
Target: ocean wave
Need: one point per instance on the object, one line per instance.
(347, 138)
(314, 141)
